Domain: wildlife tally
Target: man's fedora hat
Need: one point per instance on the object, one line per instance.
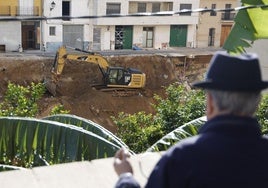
(233, 73)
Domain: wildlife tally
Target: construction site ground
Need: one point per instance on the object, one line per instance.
(74, 91)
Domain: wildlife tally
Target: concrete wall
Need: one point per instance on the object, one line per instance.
(260, 47)
(11, 36)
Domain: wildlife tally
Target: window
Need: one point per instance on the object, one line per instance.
(228, 15)
(170, 6)
(113, 8)
(52, 31)
(66, 9)
(156, 7)
(211, 37)
(213, 13)
(141, 7)
(185, 6)
(227, 6)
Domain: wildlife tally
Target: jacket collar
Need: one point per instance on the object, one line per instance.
(232, 125)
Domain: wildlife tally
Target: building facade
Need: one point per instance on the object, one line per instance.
(65, 25)
(16, 33)
(111, 33)
(214, 27)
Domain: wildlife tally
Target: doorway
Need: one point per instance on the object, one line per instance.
(123, 37)
(30, 35)
(178, 35)
(148, 37)
(225, 31)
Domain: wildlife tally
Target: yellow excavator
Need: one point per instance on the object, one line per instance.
(113, 77)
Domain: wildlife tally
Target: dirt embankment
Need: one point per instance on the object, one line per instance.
(77, 95)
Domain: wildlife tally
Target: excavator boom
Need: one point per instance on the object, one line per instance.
(62, 56)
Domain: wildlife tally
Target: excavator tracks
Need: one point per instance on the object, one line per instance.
(120, 92)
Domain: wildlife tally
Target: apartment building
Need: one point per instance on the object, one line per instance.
(214, 27)
(144, 32)
(16, 33)
(65, 25)
(112, 33)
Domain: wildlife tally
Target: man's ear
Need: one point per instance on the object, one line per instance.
(210, 106)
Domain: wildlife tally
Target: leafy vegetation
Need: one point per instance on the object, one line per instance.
(87, 125)
(262, 114)
(139, 131)
(29, 142)
(182, 132)
(249, 26)
(59, 109)
(181, 105)
(21, 101)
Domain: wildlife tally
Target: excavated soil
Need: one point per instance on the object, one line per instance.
(74, 89)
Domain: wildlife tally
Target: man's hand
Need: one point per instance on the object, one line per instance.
(121, 163)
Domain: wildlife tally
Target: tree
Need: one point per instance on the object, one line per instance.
(180, 106)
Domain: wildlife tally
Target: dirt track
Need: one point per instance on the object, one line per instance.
(76, 94)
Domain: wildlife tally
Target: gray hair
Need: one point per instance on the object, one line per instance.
(236, 102)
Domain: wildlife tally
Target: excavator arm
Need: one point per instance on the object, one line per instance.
(62, 56)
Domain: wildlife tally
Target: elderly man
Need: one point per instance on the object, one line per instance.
(229, 151)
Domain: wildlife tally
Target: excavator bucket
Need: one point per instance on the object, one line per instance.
(51, 86)
(50, 83)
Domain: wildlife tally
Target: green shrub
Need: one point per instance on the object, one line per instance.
(59, 109)
(138, 131)
(21, 101)
(262, 114)
(181, 105)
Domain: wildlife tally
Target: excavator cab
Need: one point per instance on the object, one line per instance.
(121, 77)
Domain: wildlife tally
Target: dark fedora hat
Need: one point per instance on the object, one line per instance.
(233, 73)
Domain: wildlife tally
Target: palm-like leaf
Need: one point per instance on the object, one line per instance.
(29, 142)
(10, 167)
(184, 131)
(87, 125)
(250, 25)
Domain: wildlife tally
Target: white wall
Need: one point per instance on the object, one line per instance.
(260, 47)
(77, 8)
(11, 39)
(162, 35)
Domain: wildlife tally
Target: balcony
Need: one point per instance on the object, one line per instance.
(5, 11)
(141, 7)
(27, 11)
(19, 11)
(227, 16)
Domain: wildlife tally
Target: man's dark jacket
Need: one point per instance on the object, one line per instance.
(229, 152)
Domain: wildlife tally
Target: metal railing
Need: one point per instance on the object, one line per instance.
(5, 10)
(19, 11)
(27, 11)
(227, 16)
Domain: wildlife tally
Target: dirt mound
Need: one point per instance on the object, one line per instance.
(77, 95)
